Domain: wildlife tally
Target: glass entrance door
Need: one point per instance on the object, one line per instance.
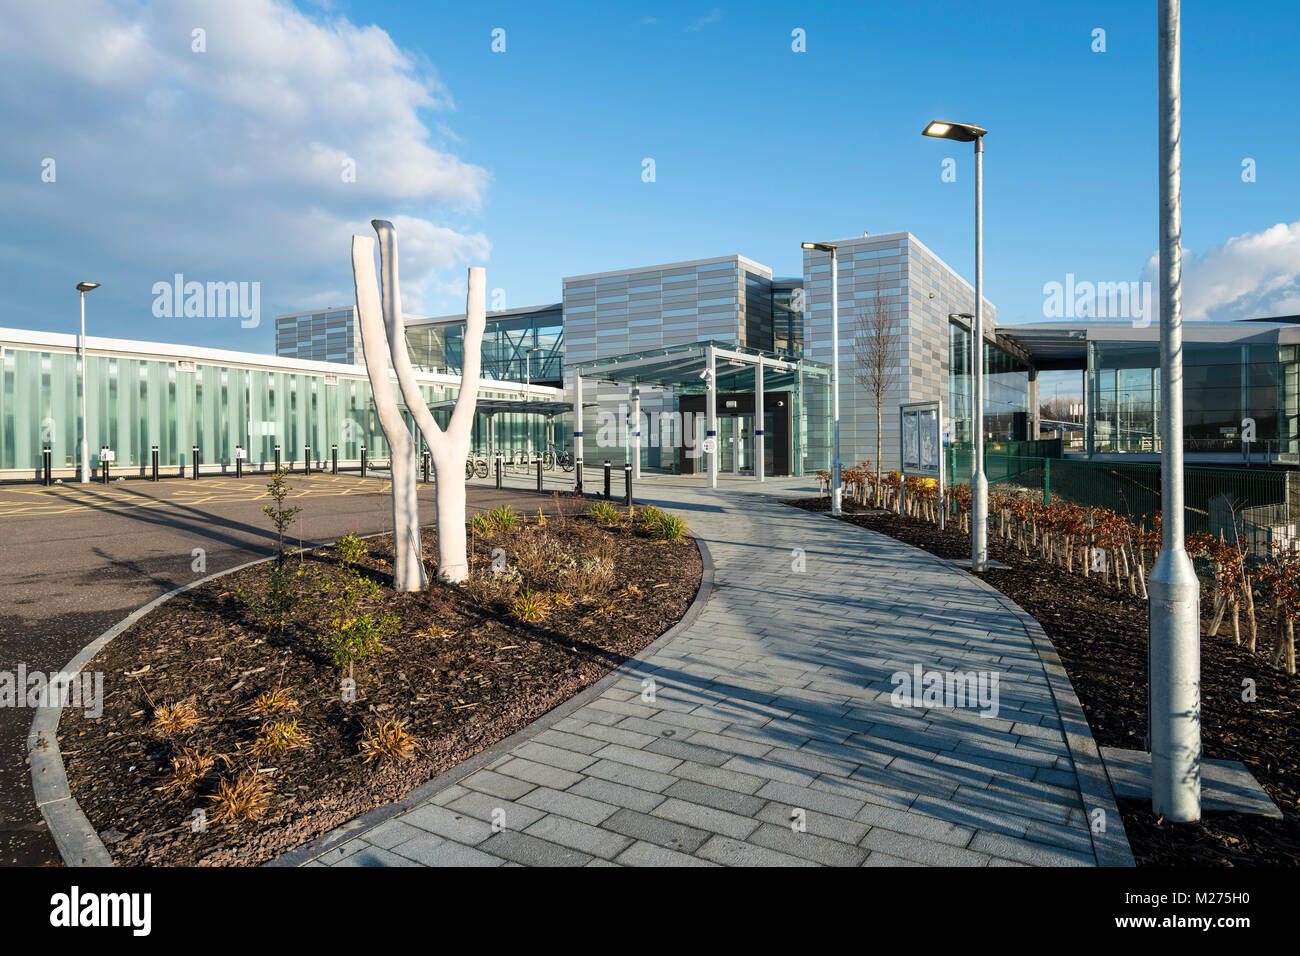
(736, 444)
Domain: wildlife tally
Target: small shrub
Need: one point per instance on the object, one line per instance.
(189, 766)
(480, 524)
(357, 638)
(528, 608)
(246, 797)
(277, 737)
(488, 587)
(668, 527)
(171, 720)
(503, 518)
(649, 515)
(350, 549)
(604, 511)
(387, 740)
(271, 702)
(560, 600)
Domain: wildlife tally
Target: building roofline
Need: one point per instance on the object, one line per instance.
(167, 352)
(757, 267)
(497, 314)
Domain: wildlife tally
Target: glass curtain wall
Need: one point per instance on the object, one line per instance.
(1223, 384)
(135, 403)
(1006, 391)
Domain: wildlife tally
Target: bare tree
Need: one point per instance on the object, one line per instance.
(876, 346)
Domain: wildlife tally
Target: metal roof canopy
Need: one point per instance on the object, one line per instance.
(496, 406)
(680, 366)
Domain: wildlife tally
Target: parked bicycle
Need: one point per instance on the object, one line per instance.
(476, 466)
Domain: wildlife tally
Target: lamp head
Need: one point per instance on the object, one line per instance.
(961, 132)
(87, 286)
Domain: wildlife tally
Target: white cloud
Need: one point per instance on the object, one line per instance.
(710, 18)
(1252, 275)
(227, 162)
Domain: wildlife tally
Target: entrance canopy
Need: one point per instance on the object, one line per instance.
(492, 407)
(695, 368)
(681, 367)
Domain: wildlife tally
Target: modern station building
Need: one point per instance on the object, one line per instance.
(646, 338)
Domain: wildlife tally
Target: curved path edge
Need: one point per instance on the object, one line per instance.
(1111, 846)
(77, 840)
(368, 821)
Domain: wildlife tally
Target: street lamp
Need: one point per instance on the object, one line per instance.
(83, 288)
(1173, 608)
(835, 368)
(979, 486)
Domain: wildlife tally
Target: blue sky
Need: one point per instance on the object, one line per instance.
(223, 164)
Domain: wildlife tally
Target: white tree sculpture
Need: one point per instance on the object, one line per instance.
(448, 448)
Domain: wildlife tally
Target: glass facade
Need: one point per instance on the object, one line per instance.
(440, 346)
(1006, 391)
(1223, 384)
(136, 401)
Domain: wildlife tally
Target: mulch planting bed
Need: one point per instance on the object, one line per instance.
(1101, 635)
(460, 673)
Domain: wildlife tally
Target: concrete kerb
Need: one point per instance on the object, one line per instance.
(368, 821)
(1111, 846)
(76, 840)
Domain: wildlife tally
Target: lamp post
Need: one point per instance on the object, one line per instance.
(979, 486)
(836, 467)
(1173, 618)
(83, 288)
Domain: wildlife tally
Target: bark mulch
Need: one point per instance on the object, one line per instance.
(460, 673)
(1101, 635)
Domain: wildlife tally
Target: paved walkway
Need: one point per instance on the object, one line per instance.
(770, 737)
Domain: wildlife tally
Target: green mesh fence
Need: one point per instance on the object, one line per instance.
(1133, 489)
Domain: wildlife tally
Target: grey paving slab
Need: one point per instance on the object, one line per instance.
(776, 700)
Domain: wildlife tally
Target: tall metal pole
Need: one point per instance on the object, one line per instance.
(85, 447)
(979, 486)
(711, 416)
(1174, 648)
(835, 381)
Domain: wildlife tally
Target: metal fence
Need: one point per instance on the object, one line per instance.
(1260, 496)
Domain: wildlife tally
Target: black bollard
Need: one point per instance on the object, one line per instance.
(46, 477)
(103, 465)
(577, 467)
(153, 462)
(500, 467)
(607, 479)
(194, 454)
(539, 474)
(627, 485)
(277, 457)
(239, 464)
(363, 461)
(306, 461)
(334, 459)
(426, 467)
